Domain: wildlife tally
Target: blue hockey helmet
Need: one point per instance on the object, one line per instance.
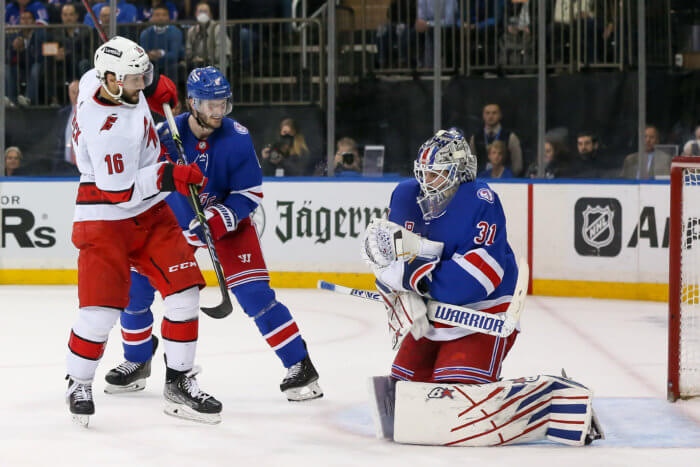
(210, 91)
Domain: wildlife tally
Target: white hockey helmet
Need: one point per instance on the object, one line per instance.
(127, 61)
(444, 161)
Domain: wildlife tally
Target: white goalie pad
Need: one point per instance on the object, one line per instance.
(507, 412)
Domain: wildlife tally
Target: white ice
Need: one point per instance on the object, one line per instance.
(618, 348)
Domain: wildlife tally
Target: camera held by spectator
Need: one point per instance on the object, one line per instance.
(279, 150)
(347, 158)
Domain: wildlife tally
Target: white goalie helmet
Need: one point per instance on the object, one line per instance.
(444, 162)
(127, 61)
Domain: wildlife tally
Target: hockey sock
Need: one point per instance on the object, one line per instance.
(282, 334)
(137, 327)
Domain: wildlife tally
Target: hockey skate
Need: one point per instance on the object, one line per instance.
(184, 399)
(129, 376)
(301, 382)
(79, 399)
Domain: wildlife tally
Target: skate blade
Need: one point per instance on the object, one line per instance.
(81, 420)
(182, 411)
(138, 385)
(304, 393)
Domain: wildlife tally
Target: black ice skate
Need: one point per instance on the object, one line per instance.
(79, 399)
(129, 376)
(184, 399)
(301, 384)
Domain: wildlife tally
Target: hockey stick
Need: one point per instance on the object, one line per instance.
(223, 309)
(467, 318)
(98, 26)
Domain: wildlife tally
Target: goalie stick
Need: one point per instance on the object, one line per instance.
(223, 309)
(467, 318)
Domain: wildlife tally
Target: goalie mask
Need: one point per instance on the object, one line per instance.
(128, 62)
(444, 161)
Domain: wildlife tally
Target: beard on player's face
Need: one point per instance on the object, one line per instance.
(132, 97)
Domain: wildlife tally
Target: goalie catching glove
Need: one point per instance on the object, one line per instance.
(400, 259)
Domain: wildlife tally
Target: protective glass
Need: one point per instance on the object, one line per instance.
(213, 108)
(139, 81)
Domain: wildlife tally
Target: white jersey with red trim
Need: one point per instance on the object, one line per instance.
(116, 149)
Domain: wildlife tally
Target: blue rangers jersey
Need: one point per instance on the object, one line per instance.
(227, 158)
(477, 269)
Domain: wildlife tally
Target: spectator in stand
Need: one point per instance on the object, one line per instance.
(424, 24)
(146, 10)
(13, 159)
(552, 162)
(202, 47)
(126, 13)
(483, 19)
(589, 161)
(394, 37)
(24, 61)
(653, 162)
(163, 42)
(593, 20)
(497, 162)
(66, 115)
(692, 147)
(289, 155)
(14, 10)
(249, 34)
(74, 57)
(494, 131)
(348, 162)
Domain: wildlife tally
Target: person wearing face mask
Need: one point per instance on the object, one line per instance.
(202, 46)
(163, 42)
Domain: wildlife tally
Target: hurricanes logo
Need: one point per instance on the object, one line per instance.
(245, 258)
(107, 125)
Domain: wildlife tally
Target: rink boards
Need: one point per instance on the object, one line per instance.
(607, 240)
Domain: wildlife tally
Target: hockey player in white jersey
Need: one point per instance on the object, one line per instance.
(122, 221)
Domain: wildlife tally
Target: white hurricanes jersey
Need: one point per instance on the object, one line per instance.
(116, 149)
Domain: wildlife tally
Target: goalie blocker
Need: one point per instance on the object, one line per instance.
(511, 411)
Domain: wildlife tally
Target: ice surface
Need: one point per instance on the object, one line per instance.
(616, 347)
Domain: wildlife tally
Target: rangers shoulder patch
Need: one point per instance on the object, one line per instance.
(485, 194)
(240, 128)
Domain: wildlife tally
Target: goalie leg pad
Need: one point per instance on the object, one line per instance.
(506, 412)
(382, 395)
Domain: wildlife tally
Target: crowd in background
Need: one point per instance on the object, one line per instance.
(174, 49)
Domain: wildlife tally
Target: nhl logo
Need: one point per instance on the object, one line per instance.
(598, 229)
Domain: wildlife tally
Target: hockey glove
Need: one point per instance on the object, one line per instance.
(408, 276)
(161, 92)
(173, 177)
(385, 242)
(221, 219)
(406, 312)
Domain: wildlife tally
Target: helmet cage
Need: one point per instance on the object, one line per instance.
(444, 162)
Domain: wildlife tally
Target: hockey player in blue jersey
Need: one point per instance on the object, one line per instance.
(455, 231)
(223, 150)
(445, 241)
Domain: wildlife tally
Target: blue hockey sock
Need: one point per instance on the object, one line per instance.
(136, 335)
(273, 319)
(282, 334)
